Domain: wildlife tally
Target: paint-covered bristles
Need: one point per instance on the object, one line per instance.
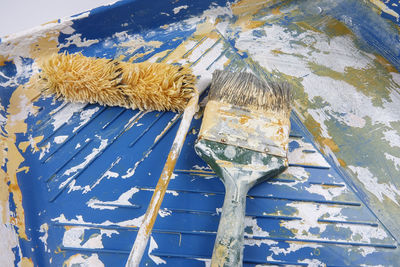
(146, 86)
(247, 91)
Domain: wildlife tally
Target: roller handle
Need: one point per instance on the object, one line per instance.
(144, 232)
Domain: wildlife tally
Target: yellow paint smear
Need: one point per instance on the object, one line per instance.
(338, 28)
(44, 46)
(135, 44)
(206, 29)
(26, 262)
(4, 196)
(330, 143)
(25, 144)
(121, 57)
(315, 129)
(139, 42)
(246, 9)
(50, 22)
(164, 27)
(249, 7)
(276, 11)
(307, 26)
(385, 63)
(253, 24)
(3, 60)
(277, 51)
(342, 162)
(157, 57)
(16, 124)
(139, 55)
(381, 5)
(178, 53)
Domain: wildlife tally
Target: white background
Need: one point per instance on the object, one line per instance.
(20, 15)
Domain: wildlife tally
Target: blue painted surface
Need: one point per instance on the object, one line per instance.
(189, 231)
(186, 235)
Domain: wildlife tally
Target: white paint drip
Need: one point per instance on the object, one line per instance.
(166, 127)
(309, 227)
(88, 158)
(364, 251)
(309, 214)
(199, 51)
(164, 212)
(259, 242)
(17, 46)
(365, 233)
(136, 222)
(60, 139)
(131, 171)
(84, 261)
(299, 173)
(392, 137)
(44, 150)
(44, 228)
(73, 236)
(207, 262)
(72, 187)
(256, 230)
(108, 174)
(298, 156)
(341, 46)
(215, 12)
(26, 108)
(318, 115)
(396, 160)
(343, 98)
(202, 168)
(329, 193)
(9, 238)
(313, 262)
(200, 68)
(371, 183)
(32, 143)
(85, 117)
(293, 247)
(179, 8)
(172, 192)
(153, 246)
(337, 53)
(123, 199)
(65, 114)
(76, 40)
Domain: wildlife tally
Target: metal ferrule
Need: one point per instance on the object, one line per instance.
(258, 130)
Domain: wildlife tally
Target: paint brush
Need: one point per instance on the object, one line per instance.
(146, 86)
(244, 139)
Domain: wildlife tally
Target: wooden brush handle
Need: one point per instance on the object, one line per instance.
(143, 235)
(228, 248)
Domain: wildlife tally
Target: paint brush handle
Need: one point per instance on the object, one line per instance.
(144, 232)
(228, 247)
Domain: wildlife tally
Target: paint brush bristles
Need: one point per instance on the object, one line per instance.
(246, 90)
(146, 86)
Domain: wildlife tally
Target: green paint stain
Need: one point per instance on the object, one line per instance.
(374, 82)
(334, 27)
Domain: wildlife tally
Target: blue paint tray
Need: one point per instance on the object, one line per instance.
(77, 178)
